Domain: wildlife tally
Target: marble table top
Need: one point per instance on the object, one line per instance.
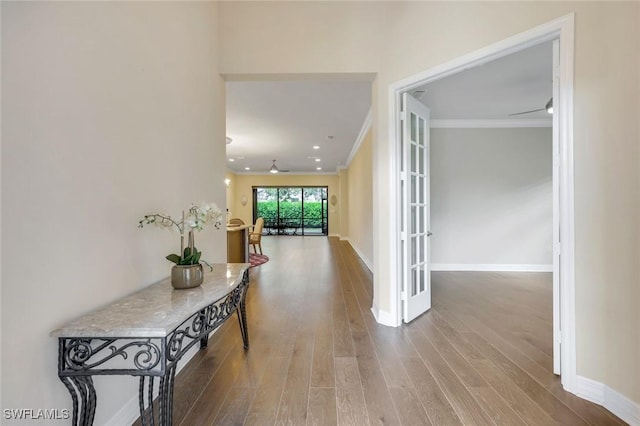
(156, 310)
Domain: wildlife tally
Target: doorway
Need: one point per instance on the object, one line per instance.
(289, 210)
(563, 265)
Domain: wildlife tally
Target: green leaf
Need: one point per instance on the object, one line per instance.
(174, 258)
(197, 257)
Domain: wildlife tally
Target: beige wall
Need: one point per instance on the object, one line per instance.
(360, 207)
(230, 192)
(343, 203)
(244, 184)
(109, 111)
(398, 39)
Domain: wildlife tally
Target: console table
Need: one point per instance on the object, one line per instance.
(145, 334)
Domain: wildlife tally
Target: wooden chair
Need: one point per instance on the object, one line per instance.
(236, 221)
(256, 235)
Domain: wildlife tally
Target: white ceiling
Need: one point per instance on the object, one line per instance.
(283, 120)
(519, 82)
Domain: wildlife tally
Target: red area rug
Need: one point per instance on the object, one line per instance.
(257, 259)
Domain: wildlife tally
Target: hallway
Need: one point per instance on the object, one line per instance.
(317, 356)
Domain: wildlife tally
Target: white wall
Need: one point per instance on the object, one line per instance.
(109, 111)
(491, 197)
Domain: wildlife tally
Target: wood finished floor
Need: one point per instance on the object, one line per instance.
(481, 355)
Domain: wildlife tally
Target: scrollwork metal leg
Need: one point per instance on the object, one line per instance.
(146, 414)
(165, 397)
(74, 398)
(170, 398)
(90, 406)
(84, 408)
(204, 342)
(242, 320)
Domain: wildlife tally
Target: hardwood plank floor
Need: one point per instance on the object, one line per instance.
(482, 355)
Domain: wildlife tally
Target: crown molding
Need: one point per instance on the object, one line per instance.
(490, 123)
(291, 173)
(368, 120)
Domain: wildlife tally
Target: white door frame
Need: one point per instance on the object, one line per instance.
(562, 29)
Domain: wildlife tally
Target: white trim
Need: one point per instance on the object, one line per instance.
(567, 212)
(361, 255)
(130, 411)
(590, 390)
(612, 400)
(290, 173)
(490, 123)
(468, 267)
(335, 235)
(368, 120)
(516, 43)
(562, 28)
(621, 406)
(383, 317)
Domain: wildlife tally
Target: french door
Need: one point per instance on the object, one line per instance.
(415, 208)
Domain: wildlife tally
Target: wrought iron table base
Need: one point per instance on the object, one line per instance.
(157, 357)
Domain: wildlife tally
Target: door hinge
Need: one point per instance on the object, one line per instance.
(403, 295)
(556, 248)
(403, 115)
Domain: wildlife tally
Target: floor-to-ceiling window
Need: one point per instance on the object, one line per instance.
(299, 210)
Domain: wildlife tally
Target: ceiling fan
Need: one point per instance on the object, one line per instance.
(548, 107)
(275, 169)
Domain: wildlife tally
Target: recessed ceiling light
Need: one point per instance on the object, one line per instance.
(316, 147)
(317, 160)
(247, 168)
(318, 168)
(232, 160)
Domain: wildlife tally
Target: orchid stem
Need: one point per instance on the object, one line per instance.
(182, 237)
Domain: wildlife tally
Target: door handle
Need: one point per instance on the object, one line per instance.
(429, 233)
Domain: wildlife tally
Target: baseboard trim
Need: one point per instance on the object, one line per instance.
(383, 317)
(614, 401)
(130, 411)
(590, 390)
(467, 267)
(362, 257)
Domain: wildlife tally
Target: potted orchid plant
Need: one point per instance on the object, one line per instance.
(187, 271)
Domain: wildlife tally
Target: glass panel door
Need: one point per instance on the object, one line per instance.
(314, 215)
(292, 210)
(414, 209)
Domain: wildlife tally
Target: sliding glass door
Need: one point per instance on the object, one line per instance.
(300, 210)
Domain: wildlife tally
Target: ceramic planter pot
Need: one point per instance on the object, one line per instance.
(186, 276)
